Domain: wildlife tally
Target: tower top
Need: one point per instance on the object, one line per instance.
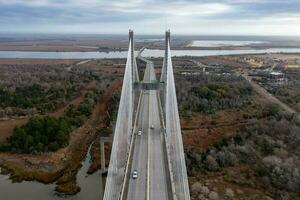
(168, 35)
(130, 34)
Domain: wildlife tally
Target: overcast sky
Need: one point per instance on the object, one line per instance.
(230, 17)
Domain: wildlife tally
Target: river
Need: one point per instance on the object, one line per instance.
(91, 187)
(146, 53)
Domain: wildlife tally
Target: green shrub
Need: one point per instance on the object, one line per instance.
(39, 134)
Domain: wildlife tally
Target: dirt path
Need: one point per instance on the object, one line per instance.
(201, 138)
(201, 130)
(7, 127)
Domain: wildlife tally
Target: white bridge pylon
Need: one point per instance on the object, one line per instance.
(117, 176)
(123, 129)
(173, 129)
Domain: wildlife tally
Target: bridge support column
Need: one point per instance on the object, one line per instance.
(103, 140)
(102, 149)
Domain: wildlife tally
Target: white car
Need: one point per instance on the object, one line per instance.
(134, 174)
(139, 133)
(152, 126)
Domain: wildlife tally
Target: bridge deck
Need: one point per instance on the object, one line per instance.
(149, 158)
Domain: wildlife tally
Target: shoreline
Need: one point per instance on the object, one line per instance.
(60, 167)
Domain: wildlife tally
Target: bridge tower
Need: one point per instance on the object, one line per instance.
(163, 76)
(172, 127)
(135, 74)
(123, 127)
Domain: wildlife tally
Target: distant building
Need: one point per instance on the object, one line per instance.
(261, 73)
(215, 64)
(267, 74)
(276, 75)
(190, 73)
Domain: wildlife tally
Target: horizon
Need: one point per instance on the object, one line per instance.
(140, 35)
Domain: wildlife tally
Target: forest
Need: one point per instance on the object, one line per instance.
(211, 93)
(44, 133)
(270, 148)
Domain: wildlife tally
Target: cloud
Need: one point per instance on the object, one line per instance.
(192, 16)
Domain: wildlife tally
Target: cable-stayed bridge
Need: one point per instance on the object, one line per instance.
(147, 137)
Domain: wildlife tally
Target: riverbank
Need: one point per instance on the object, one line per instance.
(91, 186)
(61, 166)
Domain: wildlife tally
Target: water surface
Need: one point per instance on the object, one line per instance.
(222, 43)
(146, 53)
(91, 187)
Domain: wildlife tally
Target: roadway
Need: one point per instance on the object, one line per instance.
(149, 158)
